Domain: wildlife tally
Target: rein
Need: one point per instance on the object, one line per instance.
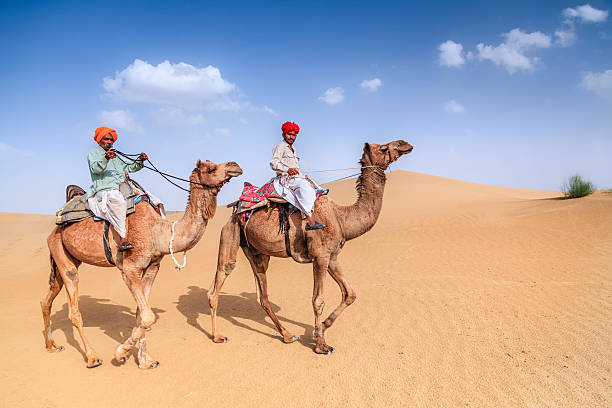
(347, 168)
(161, 173)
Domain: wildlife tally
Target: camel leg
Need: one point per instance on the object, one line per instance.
(319, 267)
(226, 262)
(55, 285)
(259, 263)
(348, 294)
(123, 351)
(134, 281)
(71, 281)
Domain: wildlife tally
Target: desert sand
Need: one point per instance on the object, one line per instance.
(468, 296)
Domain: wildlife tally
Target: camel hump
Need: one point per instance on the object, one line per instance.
(247, 184)
(73, 191)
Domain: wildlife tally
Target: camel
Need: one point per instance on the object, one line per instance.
(71, 245)
(261, 238)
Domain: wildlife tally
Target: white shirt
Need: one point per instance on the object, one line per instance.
(283, 159)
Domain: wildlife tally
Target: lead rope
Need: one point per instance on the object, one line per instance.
(178, 267)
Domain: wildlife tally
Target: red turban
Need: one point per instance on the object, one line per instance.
(103, 131)
(290, 127)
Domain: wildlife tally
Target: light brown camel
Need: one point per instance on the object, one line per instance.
(82, 242)
(321, 247)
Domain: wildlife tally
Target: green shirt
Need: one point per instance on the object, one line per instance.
(108, 174)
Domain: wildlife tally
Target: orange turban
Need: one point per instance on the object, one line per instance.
(103, 131)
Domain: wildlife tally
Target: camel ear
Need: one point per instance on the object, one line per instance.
(366, 147)
(198, 163)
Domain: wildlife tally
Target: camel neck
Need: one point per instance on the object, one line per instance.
(360, 217)
(201, 206)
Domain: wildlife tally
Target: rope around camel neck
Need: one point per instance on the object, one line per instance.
(178, 267)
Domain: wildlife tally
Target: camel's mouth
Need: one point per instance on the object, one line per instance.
(405, 149)
(234, 173)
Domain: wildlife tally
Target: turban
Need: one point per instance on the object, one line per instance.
(102, 131)
(290, 127)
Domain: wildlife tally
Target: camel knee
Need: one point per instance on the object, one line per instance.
(350, 298)
(147, 319)
(213, 301)
(318, 304)
(76, 319)
(73, 275)
(229, 267)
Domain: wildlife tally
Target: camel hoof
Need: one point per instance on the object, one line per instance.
(220, 339)
(122, 360)
(59, 349)
(292, 339)
(154, 364)
(331, 350)
(95, 363)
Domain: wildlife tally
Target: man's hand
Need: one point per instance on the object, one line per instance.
(110, 154)
(293, 171)
(143, 157)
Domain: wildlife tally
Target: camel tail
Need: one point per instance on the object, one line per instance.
(53, 274)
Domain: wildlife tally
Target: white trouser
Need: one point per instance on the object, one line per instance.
(298, 191)
(112, 208)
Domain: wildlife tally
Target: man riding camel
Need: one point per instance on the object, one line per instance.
(289, 183)
(107, 173)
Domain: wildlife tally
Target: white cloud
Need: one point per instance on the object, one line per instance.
(269, 110)
(176, 116)
(223, 131)
(181, 85)
(586, 13)
(453, 107)
(333, 96)
(451, 54)
(121, 120)
(567, 36)
(371, 85)
(511, 54)
(598, 82)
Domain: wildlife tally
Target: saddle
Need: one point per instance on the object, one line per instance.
(77, 209)
(254, 197)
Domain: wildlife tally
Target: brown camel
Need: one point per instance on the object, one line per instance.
(82, 242)
(260, 239)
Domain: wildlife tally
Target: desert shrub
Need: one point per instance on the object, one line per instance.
(575, 186)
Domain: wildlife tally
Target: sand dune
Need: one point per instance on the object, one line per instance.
(468, 296)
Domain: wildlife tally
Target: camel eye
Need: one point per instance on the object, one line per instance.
(384, 148)
(212, 169)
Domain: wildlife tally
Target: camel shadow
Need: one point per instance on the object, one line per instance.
(233, 307)
(116, 321)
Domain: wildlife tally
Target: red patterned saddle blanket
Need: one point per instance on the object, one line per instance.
(254, 197)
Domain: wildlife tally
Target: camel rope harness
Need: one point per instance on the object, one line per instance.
(177, 266)
(161, 173)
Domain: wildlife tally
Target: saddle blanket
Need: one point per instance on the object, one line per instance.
(254, 197)
(77, 209)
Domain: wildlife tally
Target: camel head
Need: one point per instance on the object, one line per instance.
(213, 174)
(383, 155)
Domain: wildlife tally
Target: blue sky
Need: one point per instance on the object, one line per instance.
(515, 94)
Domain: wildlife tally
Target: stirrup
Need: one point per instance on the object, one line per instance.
(317, 225)
(125, 246)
